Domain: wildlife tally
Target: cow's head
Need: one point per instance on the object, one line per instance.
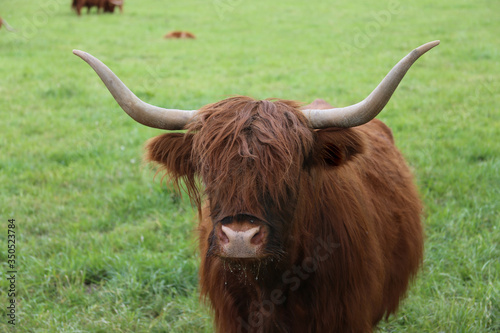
(109, 5)
(249, 156)
(252, 156)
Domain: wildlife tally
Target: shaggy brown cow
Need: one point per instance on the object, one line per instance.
(105, 5)
(310, 222)
(179, 35)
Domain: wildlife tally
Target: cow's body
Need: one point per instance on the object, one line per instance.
(349, 221)
(180, 35)
(77, 5)
(104, 5)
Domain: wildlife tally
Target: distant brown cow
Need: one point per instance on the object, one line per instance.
(107, 6)
(311, 220)
(179, 35)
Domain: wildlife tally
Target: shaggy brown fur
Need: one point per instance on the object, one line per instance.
(179, 35)
(343, 215)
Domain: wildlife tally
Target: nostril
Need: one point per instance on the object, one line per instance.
(258, 238)
(223, 237)
(252, 235)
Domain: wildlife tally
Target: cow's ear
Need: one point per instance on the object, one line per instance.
(336, 146)
(173, 152)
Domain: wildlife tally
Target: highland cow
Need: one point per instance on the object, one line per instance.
(309, 217)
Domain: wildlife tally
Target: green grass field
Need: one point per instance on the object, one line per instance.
(102, 246)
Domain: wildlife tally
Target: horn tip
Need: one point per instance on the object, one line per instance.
(434, 43)
(427, 46)
(88, 58)
(77, 52)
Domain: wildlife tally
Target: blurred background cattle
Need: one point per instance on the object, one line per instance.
(179, 35)
(107, 6)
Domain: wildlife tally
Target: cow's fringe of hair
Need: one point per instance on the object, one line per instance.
(254, 149)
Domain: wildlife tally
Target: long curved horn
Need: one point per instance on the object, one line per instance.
(369, 108)
(144, 113)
